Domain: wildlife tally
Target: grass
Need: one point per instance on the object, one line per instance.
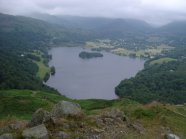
(162, 60)
(22, 103)
(43, 69)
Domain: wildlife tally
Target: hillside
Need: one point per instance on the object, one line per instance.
(19, 38)
(24, 44)
(154, 120)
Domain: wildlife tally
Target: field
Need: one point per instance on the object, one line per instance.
(148, 52)
(43, 69)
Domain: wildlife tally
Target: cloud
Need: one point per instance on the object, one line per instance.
(153, 11)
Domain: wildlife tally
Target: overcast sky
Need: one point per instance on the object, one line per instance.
(153, 11)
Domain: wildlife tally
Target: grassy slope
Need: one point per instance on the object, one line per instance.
(22, 104)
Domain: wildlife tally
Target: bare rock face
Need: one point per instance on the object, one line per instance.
(37, 132)
(39, 117)
(64, 108)
(6, 136)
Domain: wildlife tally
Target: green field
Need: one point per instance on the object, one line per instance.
(43, 69)
(162, 60)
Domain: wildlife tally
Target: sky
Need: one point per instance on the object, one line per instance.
(157, 12)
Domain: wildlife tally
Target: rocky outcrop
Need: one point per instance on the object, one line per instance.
(39, 117)
(115, 116)
(64, 108)
(37, 132)
(66, 121)
(113, 124)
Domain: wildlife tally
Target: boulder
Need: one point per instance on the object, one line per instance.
(6, 136)
(37, 132)
(39, 117)
(172, 136)
(65, 108)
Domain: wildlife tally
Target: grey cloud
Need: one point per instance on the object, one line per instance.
(153, 11)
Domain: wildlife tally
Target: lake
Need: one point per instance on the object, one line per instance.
(90, 78)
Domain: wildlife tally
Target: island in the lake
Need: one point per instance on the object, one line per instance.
(88, 55)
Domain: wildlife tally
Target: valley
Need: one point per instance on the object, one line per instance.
(36, 72)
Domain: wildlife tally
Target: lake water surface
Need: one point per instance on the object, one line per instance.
(90, 78)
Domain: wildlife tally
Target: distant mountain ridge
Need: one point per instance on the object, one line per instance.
(115, 28)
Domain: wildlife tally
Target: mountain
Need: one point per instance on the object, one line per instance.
(121, 28)
(109, 28)
(100, 27)
(176, 27)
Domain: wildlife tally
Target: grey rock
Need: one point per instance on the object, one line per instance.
(39, 117)
(64, 108)
(62, 135)
(172, 136)
(37, 132)
(19, 125)
(138, 127)
(6, 136)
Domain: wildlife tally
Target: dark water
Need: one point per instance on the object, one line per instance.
(90, 78)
